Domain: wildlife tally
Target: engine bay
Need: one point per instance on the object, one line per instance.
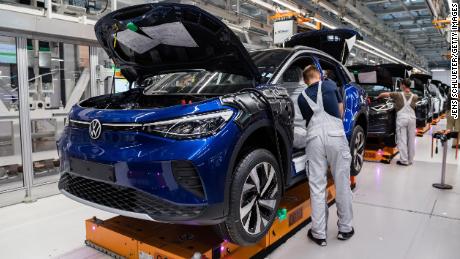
(136, 99)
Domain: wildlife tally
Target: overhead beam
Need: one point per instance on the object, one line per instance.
(232, 17)
(414, 26)
(417, 33)
(432, 50)
(391, 10)
(423, 40)
(431, 46)
(408, 19)
(34, 25)
(372, 2)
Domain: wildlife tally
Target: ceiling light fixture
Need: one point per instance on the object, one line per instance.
(264, 4)
(375, 53)
(291, 6)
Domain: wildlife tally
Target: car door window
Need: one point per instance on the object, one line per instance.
(330, 71)
(293, 74)
(347, 76)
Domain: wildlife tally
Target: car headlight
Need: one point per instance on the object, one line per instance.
(194, 126)
(382, 107)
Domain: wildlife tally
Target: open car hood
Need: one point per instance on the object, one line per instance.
(437, 83)
(424, 78)
(336, 43)
(421, 81)
(157, 38)
(397, 70)
(370, 74)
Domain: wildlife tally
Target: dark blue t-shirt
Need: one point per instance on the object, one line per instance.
(331, 99)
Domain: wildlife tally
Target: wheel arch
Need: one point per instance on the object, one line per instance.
(261, 135)
(361, 119)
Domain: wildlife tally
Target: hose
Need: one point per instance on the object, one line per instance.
(112, 89)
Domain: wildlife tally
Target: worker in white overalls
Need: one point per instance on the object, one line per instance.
(405, 121)
(326, 146)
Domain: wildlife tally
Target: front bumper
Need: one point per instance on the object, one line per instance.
(381, 124)
(153, 178)
(134, 203)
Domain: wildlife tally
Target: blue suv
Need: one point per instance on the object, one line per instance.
(207, 132)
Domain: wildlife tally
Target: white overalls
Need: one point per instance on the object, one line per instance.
(326, 146)
(405, 131)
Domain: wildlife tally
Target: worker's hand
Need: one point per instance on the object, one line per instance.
(383, 95)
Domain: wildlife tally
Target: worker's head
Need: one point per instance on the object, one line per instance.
(311, 75)
(405, 85)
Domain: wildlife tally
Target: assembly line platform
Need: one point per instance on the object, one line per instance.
(422, 131)
(436, 121)
(383, 154)
(123, 237)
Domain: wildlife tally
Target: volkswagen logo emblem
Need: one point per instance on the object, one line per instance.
(95, 129)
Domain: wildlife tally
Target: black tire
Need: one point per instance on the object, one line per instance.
(233, 229)
(357, 144)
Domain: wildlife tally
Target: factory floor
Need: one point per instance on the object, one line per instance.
(397, 214)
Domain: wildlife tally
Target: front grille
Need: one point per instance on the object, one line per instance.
(79, 124)
(126, 199)
(107, 126)
(186, 176)
(379, 123)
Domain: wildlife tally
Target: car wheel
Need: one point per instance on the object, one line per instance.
(254, 198)
(357, 144)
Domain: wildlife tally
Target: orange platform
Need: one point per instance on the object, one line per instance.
(435, 121)
(139, 239)
(422, 131)
(384, 154)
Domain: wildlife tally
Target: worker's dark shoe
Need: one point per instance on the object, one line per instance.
(346, 235)
(318, 241)
(401, 163)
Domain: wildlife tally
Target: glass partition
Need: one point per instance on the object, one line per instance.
(73, 8)
(105, 74)
(11, 175)
(59, 77)
(125, 3)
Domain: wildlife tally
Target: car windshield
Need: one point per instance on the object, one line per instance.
(195, 82)
(374, 90)
(209, 83)
(268, 61)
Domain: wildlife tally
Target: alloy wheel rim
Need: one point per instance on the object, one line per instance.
(259, 198)
(358, 151)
